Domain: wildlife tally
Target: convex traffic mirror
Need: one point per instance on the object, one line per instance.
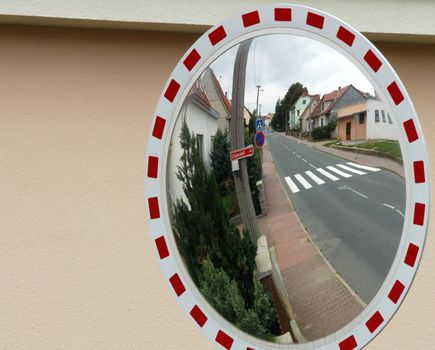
(287, 183)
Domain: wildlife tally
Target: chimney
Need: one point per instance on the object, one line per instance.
(339, 88)
(226, 94)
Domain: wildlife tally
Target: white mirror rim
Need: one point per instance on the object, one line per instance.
(318, 25)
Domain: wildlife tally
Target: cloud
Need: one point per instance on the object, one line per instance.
(277, 61)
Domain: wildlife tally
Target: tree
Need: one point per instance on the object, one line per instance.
(220, 158)
(220, 260)
(204, 225)
(282, 107)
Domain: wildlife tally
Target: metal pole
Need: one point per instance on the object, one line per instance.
(258, 95)
(241, 179)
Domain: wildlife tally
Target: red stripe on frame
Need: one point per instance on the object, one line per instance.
(315, 20)
(198, 316)
(192, 59)
(419, 213)
(177, 284)
(419, 176)
(374, 322)
(395, 93)
(411, 131)
(153, 205)
(153, 166)
(225, 340)
(217, 35)
(411, 255)
(162, 247)
(396, 292)
(283, 14)
(172, 90)
(348, 344)
(372, 60)
(251, 18)
(159, 127)
(345, 36)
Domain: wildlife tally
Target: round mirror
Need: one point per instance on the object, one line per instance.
(287, 184)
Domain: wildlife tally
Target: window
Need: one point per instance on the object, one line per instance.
(321, 121)
(376, 116)
(304, 102)
(299, 112)
(383, 116)
(389, 119)
(361, 118)
(200, 144)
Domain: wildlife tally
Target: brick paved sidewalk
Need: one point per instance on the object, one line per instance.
(321, 303)
(365, 159)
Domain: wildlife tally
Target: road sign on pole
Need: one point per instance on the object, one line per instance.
(259, 139)
(259, 124)
(242, 153)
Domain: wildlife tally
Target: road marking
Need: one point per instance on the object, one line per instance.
(397, 210)
(311, 165)
(297, 155)
(304, 160)
(328, 175)
(315, 178)
(393, 208)
(339, 172)
(358, 172)
(344, 187)
(291, 184)
(365, 167)
(303, 182)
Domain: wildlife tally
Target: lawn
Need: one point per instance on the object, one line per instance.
(384, 146)
(388, 147)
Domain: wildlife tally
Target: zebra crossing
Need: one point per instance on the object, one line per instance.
(308, 179)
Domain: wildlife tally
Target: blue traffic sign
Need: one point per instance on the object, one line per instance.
(259, 139)
(259, 125)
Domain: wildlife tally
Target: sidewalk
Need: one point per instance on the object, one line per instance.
(321, 302)
(366, 159)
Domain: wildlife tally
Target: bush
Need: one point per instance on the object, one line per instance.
(221, 261)
(323, 132)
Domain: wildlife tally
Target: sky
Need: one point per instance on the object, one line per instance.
(277, 61)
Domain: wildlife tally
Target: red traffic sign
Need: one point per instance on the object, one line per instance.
(259, 139)
(242, 153)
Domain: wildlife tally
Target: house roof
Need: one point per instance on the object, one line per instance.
(198, 94)
(313, 99)
(335, 97)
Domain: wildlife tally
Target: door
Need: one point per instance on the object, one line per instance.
(348, 130)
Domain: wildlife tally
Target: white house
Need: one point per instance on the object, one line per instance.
(380, 125)
(218, 99)
(202, 120)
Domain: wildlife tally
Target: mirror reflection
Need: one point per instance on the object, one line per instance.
(286, 188)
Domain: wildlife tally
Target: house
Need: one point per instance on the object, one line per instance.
(364, 121)
(268, 120)
(297, 109)
(326, 110)
(202, 119)
(218, 99)
(304, 120)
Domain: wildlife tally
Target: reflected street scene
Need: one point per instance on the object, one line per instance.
(286, 188)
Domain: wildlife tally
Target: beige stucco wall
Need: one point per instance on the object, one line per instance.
(76, 262)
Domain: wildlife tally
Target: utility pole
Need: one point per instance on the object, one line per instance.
(241, 178)
(258, 94)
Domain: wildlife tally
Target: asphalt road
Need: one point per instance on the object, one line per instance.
(354, 214)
